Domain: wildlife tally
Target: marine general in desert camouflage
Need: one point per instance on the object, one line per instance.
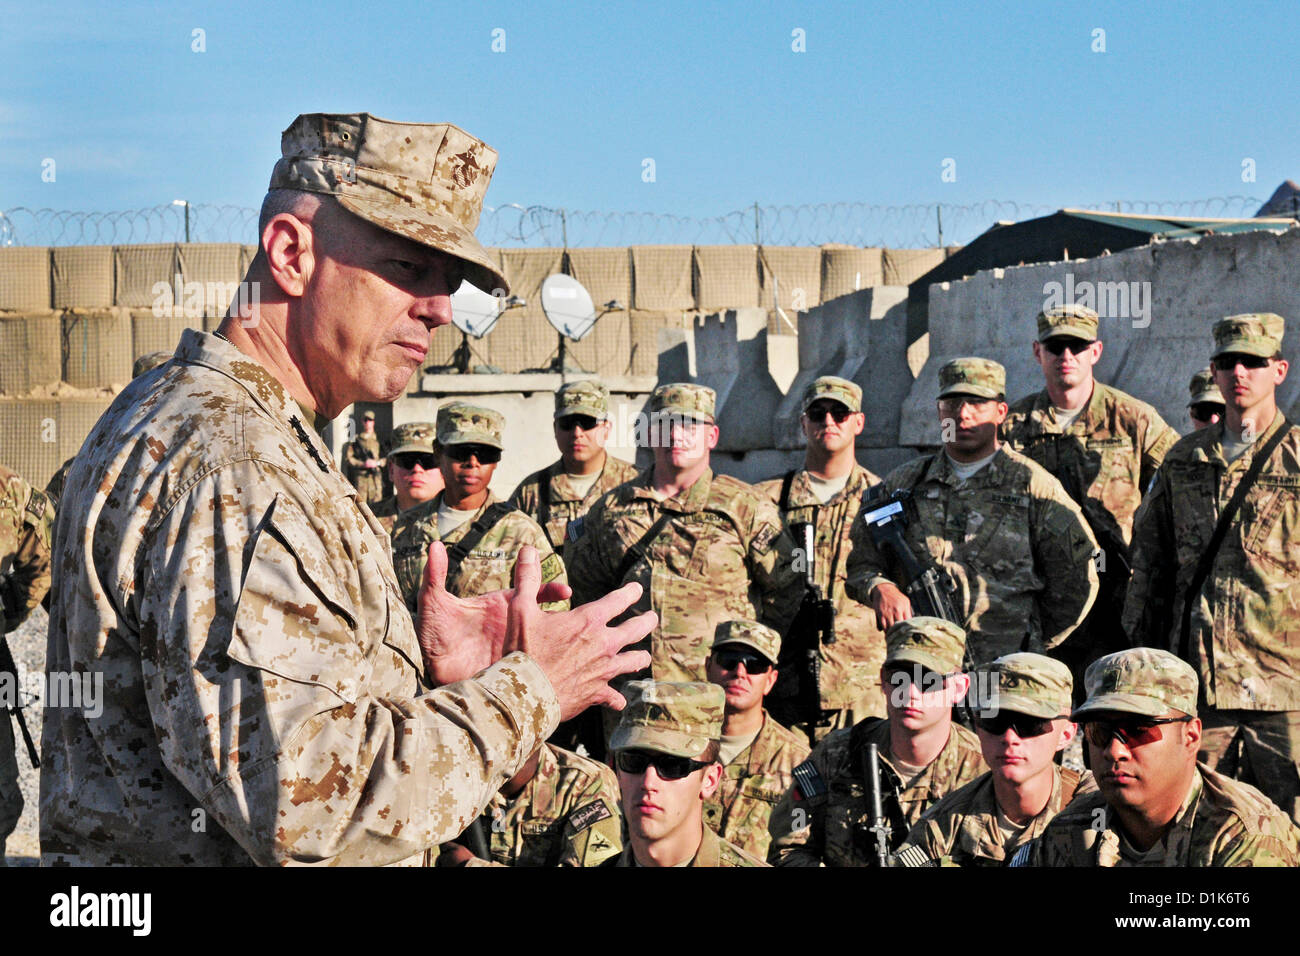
(1021, 707)
(827, 494)
(1239, 631)
(1015, 547)
(267, 698)
(482, 533)
(757, 753)
(666, 751)
(1103, 445)
(823, 819)
(706, 548)
(26, 517)
(1157, 806)
(565, 490)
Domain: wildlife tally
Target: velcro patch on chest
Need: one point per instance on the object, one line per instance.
(1103, 443)
(913, 856)
(574, 531)
(537, 827)
(589, 815)
(1011, 501)
(766, 535)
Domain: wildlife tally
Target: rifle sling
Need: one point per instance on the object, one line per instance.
(637, 551)
(786, 481)
(544, 501)
(481, 526)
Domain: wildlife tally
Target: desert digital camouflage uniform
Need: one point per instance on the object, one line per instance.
(568, 814)
(369, 482)
(722, 554)
(490, 564)
(752, 784)
(1009, 537)
(265, 697)
(1245, 618)
(26, 516)
(822, 818)
(54, 487)
(408, 436)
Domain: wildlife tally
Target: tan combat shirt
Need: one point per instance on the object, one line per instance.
(566, 503)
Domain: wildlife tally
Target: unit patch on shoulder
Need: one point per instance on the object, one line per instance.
(591, 814)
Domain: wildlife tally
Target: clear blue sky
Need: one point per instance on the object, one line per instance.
(713, 92)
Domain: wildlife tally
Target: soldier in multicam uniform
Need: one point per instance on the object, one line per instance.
(363, 463)
(483, 534)
(266, 695)
(1156, 805)
(565, 490)
(1239, 631)
(1021, 704)
(823, 819)
(827, 493)
(1014, 545)
(1205, 401)
(26, 517)
(757, 753)
(413, 470)
(666, 751)
(1104, 446)
(706, 548)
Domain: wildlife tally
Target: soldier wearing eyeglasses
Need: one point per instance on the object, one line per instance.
(1014, 546)
(1156, 805)
(482, 533)
(1205, 402)
(827, 493)
(1103, 445)
(1230, 605)
(565, 490)
(666, 748)
(825, 816)
(1021, 705)
(413, 470)
(757, 753)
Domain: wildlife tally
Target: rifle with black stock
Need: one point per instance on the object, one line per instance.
(813, 626)
(9, 669)
(879, 825)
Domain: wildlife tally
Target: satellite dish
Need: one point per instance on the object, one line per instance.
(568, 306)
(474, 311)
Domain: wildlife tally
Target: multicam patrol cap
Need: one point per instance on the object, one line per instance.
(1202, 388)
(677, 719)
(750, 633)
(423, 181)
(462, 424)
(684, 400)
(1023, 683)
(836, 389)
(588, 397)
(980, 377)
(412, 436)
(149, 362)
(1142, 680)
(1073, 321)
(1254, 333)
(932, 642)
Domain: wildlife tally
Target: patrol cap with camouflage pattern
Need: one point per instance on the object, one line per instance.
(932, 642)
(588, 397)
(1202, 388)
(412, 436)
(460, 423)
(678, 719)
(836, 389)
(1023, 683)
(1072, 321)
(1254, 333)
(149, 362)
(423, 181)
(980, 377)
(1142, 680)
(369, 416)
(750, 633)
(684, 400)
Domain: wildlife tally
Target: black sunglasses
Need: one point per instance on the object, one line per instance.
(1228, 361)
(486, 454)
(819, 411)
(1204, 411)
(1024, 725)
(1131, 731)
(730, 658)
(409, 459)
(1059, 344)
(666, 765)
(568, 422)
(924, 678)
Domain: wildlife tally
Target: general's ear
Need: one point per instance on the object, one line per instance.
(290, 253)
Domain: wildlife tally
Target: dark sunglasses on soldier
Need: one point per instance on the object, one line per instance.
(568, 422)
(409, 459)
(666, 765)
(729, 659)
(1229, 360)
(1131, 731)
(1024, 725)
(1205, 411)
(1060, 343)
(818, 411)
(485, 454)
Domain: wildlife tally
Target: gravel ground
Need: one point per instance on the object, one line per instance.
(28, 646)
